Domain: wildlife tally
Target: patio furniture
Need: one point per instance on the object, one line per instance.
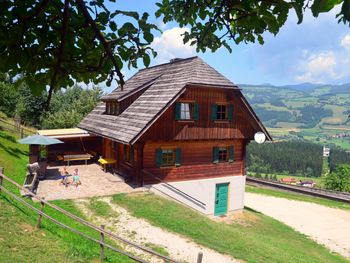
(77, 157)
(105, 162)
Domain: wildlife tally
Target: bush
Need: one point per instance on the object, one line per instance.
(339, 180)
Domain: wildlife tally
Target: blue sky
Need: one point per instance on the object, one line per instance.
(316, 51)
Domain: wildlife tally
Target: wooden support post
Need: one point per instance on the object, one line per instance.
(1, 178)
(102, 249)
(22, 132)
(200, 257)
(40, 215)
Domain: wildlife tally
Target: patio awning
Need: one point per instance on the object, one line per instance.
(64, 133)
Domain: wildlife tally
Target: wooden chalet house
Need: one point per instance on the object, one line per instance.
(182, 123)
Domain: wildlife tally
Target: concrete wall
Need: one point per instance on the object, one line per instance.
(204, 192)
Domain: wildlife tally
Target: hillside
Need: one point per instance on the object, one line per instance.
(309, 111)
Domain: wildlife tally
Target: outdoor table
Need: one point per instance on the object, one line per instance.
(77, 157)
(106, 161)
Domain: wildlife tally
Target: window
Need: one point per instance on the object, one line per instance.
(112, 108)
(223, 154)
(168, 157)
(128, 154)
(221, 112)
(187, 111)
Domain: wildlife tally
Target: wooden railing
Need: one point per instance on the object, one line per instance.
(103, 232)
(17, 129)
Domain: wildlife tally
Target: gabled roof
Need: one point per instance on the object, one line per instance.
(163, 84)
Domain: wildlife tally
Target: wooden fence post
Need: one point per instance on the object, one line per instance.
(1, 178)
(200, 257)
(40, 215)
(22, 132)
(102, 249)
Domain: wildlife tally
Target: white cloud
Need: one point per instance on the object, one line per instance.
(345, 42)
(324, 66)
(170, 45)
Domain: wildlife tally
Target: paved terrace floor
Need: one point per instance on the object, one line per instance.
(94, 182)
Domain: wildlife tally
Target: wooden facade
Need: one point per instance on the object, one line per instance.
(195, 138)
(183, 121)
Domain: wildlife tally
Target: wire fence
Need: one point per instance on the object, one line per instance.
(16, 128)
(100, 229)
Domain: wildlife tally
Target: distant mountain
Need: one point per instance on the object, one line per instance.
(310, 88)
(305, 87)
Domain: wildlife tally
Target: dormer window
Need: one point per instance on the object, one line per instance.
(112, 108)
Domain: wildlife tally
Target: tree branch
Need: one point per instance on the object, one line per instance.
(60, 52)
(102, 39)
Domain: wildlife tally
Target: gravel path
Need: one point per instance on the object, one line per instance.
(327, 226)
(142, 232)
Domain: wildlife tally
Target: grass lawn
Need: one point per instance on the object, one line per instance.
(298, 197)
(258, 238)
(19, 242)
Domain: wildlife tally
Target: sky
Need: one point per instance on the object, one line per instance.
(316, 51)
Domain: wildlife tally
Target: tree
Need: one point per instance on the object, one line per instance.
(212, 23)
(58, 43)
(339, 180)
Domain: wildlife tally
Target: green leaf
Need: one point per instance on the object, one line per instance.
(146, 60)
(321, 6)
(148, 37)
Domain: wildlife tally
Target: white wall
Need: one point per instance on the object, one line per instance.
(204, 191)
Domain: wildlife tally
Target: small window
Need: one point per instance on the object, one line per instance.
(168, 157)
(223, 154)
(128, 154)
(186, 111)
(112, 108)
(221, 113)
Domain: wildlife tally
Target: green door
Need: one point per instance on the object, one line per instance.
(221, 199)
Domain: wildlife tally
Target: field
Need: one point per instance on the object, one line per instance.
(317, 113)
(249, 238)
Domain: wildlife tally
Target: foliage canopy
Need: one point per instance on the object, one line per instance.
(57, 43)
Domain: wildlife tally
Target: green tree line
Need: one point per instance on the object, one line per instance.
(68, 107)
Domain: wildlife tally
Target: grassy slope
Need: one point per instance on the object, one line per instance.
(298, 197)
(52, 243)
(262, 239)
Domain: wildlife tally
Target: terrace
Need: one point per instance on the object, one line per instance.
(94, 182)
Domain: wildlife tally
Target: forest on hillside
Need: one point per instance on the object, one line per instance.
(292, 158)
(67, 108)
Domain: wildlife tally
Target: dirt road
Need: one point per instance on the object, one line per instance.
(325, 225)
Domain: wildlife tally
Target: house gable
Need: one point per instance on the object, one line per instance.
(166, 83)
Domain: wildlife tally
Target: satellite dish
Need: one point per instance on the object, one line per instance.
(259, 137)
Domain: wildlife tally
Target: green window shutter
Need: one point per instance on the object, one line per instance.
(196, 112)
(214, 108)
(177, 111)
(131, 158)
(231, 154)
(178, 157)
(215, 155)
(230, 112)
(159, 157)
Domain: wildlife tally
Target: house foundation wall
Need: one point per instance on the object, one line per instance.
(200, 194)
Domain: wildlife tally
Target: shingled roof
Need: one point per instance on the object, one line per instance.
(163, 84)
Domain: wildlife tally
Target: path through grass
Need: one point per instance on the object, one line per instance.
(258, 238)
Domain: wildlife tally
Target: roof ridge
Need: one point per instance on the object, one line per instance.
(173, 62)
